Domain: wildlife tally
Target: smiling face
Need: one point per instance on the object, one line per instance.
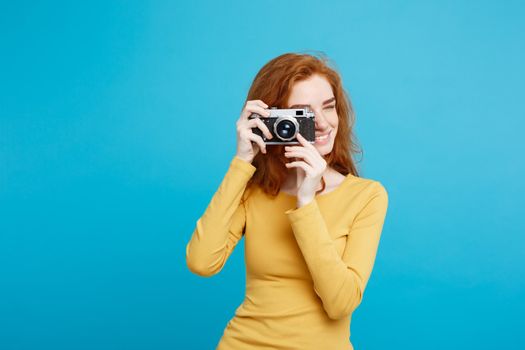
(316, 93)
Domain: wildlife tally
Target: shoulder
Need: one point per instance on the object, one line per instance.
(377, 198)
(378, 189)
(367, 189)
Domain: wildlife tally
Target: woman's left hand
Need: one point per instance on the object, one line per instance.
(310, 170)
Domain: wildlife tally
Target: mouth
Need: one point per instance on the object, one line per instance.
(323, 138)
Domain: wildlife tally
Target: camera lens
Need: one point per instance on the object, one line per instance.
(285, 129)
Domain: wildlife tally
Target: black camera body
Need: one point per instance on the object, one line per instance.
(284, 125)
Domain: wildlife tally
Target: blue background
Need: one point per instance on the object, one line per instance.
(117, 126)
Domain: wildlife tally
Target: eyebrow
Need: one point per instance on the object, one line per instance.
(307, 105)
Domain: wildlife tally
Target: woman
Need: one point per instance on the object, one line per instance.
(311, 224)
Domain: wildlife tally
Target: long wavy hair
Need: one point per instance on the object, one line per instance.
(273, 85)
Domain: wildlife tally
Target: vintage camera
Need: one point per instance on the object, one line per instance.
(284, 125)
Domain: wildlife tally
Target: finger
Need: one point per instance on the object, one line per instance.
(250, 109)
(258, 102)
(293, 148)
(314, 152)
(303, 141)
(258, 140)
(300, 164)
(259, 110)
(257, 122)
(301, 154)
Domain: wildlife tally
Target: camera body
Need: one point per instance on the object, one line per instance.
(284, 125)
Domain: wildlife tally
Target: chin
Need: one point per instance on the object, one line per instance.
(324, 149)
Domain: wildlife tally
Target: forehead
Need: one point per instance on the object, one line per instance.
(313, 90)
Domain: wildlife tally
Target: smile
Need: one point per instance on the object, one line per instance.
(324, 137)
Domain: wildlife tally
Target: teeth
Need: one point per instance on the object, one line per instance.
(321, 138)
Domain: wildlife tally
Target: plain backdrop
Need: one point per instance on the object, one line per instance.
(117, 124)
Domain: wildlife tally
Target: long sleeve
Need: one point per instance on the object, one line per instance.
(340, 281)
(221, 226)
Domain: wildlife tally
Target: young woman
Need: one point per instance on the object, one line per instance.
(311, 225)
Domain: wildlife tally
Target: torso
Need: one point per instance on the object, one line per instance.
(281, 308)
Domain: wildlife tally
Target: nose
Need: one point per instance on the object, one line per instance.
(320, 121)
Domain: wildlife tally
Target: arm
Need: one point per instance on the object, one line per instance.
(340, 281)
(221, 226)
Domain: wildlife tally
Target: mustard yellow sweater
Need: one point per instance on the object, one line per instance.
(306, 268)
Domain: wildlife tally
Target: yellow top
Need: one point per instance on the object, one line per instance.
(306, 268)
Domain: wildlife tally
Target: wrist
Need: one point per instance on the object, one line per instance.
(244, 158)
(302, 201)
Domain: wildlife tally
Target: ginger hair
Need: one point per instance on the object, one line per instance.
(273, 85)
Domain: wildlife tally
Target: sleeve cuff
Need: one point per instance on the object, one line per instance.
(242, 165)
(298, 214)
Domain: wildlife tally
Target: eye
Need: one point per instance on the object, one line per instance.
(330, 107)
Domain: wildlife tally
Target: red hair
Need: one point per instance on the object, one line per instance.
(273, 85)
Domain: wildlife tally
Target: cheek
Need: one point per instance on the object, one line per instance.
(333, 119)
(333, 136)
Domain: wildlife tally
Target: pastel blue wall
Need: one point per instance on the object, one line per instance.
(117, 125)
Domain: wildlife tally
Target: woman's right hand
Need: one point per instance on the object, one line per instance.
(248, 143)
